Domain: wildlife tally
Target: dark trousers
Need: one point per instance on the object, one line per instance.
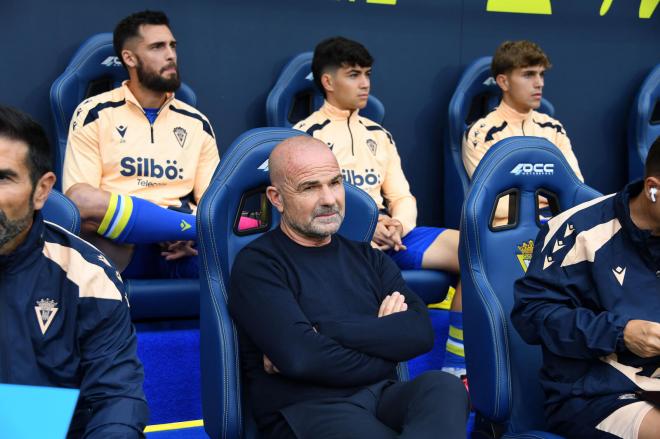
(433, 405)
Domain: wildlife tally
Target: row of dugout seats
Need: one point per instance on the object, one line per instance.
(94, 68)
(502, 369)
(504, 388)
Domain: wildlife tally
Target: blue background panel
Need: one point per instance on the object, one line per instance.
(231, 51)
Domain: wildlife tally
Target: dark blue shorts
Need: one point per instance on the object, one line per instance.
(417, 242)
(147, 263)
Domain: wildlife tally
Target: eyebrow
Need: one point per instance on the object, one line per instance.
(308, 183)
(4, 173)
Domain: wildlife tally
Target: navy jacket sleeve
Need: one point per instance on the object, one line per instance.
(263, 305)
(552, 308)
(112, 376)
(397, 337)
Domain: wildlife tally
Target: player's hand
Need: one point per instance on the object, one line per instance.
(381, 239)
(388, 234)
(395, 228)
(642, 338)
(269, 367)
(392, 303)
(173, 250)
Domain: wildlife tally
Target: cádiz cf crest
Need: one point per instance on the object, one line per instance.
(46, 310)
(180, 135)
(525, 255)
(373, 146)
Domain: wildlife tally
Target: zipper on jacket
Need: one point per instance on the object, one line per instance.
(522, 127)
(348, 123)
(152, 133)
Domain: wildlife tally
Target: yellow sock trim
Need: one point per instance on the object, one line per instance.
(174, 426)
(456, 333)
(108, 215)
(454, 349)
(125, 216)
(445, 304)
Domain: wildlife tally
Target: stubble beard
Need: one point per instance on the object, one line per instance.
(316, 230)
(10, 229)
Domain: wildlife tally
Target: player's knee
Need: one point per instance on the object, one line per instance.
(87, 199)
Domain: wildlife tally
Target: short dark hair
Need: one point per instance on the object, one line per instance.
(337, 52)
(18, 126)
(511, 55)
(129, 28)
(652, 166)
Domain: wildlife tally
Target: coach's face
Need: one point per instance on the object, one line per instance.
(310, 196)
(18, 197)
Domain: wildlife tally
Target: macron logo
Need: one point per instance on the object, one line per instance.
(184, 225)
(533, 169)
(111, 61)
(263, 166)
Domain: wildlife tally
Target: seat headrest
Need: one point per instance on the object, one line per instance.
(644, 125)
(528, 164)
(295, 86)
(244, 168)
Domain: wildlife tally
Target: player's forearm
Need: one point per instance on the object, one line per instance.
(404, 209)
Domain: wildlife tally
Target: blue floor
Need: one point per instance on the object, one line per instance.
(170, 354)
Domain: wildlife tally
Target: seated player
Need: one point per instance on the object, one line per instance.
(591, 299)
(320, 358)
(519, 70)
(65, 318)
(369, 160)
(138, 160)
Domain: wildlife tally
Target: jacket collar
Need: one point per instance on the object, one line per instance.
(334, 113)
(28, 250)
(642, 239)
(130, 97)
(512, 115)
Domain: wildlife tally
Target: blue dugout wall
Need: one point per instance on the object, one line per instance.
(231, 51)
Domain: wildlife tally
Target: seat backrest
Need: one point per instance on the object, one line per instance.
(502, 369)
(93, 69)
(243, 169)
(295, 96)
(644, 124)
(61, 211)
(476, 94)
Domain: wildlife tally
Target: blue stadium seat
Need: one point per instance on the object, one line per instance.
(294, 96)
(476, 95)
(243, 169)
(502, 369)
(94, 69)
(295, 82)
(644, 125)
(61, 211)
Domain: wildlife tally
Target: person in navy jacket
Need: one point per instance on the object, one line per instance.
(591, 299)
(63, 310)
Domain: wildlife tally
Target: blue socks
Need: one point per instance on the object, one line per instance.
(137, 221)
